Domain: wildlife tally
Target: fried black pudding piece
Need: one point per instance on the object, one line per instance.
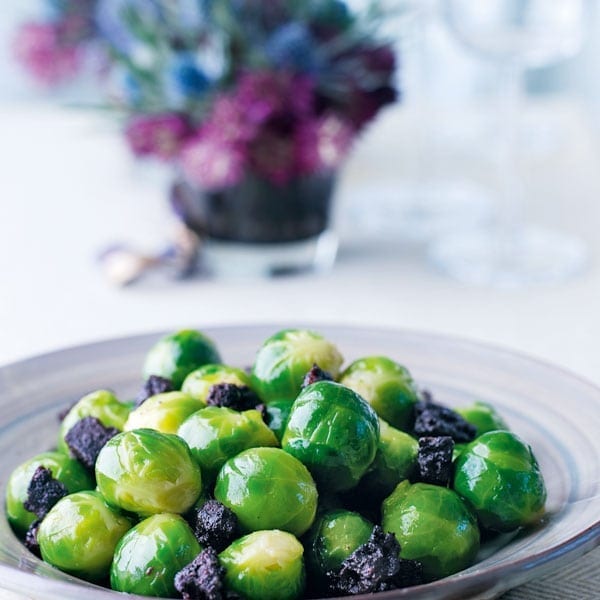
(202, 579)
(229, 395)
(152, 386)
(375, 567)
(314, 375)
(31, 541)
(215, 525)
(433, 420)
(43, 492)
(86, 438)
(435, 460)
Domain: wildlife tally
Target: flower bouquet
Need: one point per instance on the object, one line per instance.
(256, 105)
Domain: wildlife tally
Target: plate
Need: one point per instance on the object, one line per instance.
(555, 411)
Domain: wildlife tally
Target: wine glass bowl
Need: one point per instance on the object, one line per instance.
(533, 32)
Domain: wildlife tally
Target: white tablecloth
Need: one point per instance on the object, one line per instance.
(68, 189)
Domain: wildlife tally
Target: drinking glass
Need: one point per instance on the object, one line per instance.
(432, 202)
(515, 35)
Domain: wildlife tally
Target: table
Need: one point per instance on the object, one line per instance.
(69, 188)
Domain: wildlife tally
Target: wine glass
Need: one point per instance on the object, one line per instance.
(433, 201)
(514, 35)
(424, 198)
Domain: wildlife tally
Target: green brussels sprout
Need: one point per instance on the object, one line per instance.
(334, 432)
(67, 470)
(278, 412)
(285, 358)
(163, 412)
(80, 533)
(216, 434)
(148, 472)
(265, 565)
(499, 476)
(387, 386)
(267, 488)
(150, 555)
(395, 461)
(103, 405)
(483, 416)
(433, 526)
(333, 538)
(458, 450)
(198, 383)
(178, 354)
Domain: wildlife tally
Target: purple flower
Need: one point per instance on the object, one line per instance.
(323, 143)
(363, 106)
(211, 163)
(267, 94)
(39, 48)
(159, 135)
(230, 120)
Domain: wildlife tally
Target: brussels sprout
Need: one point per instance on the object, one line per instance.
(80, 533)
(67, 470)
(267, 488)
(215, 434)
(163, 412)
(148, 472)
(103, 405)
(149, 556)
(334, 432)
(285, 358)
(178, 354)
(483, 416)
(265, 565)
(458, 450)
(198, 383)
(395, 461)
(387, 386)
(433, 526)
(499, 476)
(333, 538)
(278, 412)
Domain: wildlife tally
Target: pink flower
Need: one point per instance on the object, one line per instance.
(160, 135)
(229, 118)
(323, 143)
(38, 47)
(264, 95)
(211, 163)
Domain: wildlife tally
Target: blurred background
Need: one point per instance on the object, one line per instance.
(87, 228)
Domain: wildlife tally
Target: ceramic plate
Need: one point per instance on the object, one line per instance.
(556, 412)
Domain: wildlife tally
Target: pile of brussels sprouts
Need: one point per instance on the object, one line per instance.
(306, 458)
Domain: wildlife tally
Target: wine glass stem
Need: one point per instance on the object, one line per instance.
(510, 211)
(421, 143)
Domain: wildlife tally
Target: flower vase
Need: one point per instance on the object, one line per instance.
(259, 228)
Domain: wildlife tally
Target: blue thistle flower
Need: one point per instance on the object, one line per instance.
(293, 47)
(185, 80)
